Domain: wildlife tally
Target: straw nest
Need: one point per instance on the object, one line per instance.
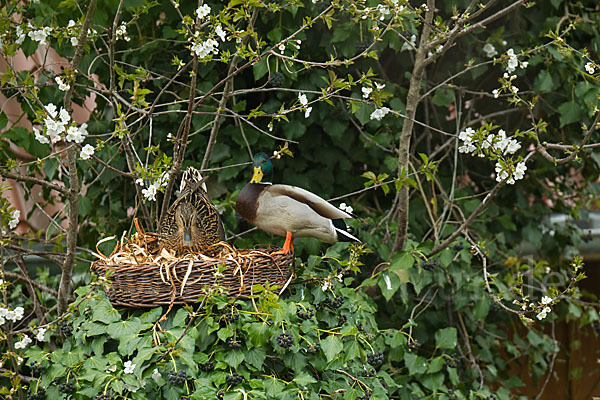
(142, 274)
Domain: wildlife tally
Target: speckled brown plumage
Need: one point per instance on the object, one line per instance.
(192, 222)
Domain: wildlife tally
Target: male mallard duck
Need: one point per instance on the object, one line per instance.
(289, 210)
(192, 222)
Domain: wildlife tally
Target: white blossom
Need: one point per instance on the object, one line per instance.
(307, 112)
(14, 219)
(74, 41)
(325, 286)
(150, 192)
(40, 334)
(121, 32)
(110, 369)
(513, 62)
(51, 109)
(302, 99)
(71, 23)
(379, 86)
(546, 300)
(20, 36)
(495, 93)
(281, 47)
(86, 152)
(23, 342)
(74, 134)
(523, 64)
(489, 50)
(129, 367)
(589, 67)
(40, 35)
(61, 85)
(346, 208)
(512, 147)
(379, 113)
(543, 313)
(17, 313)
(203, 49)
(221, 33)
(366, 91)
(520, 170)
(514, 89)
(203, 11)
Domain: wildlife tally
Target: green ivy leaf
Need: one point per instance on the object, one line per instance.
(415, 364)
(446, 338)
(332, 346)
(569, 112)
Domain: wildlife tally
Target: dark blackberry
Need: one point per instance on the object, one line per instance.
(451, 363)
(220, 395)
(367, 396)
(375, 359)
(103, 396)
(66, 329)
(233, 343)
(233, 379)
(36, 369)
(40, 394)
(369, 373)
(428, 265)
(207, 366)
(361, 45)
(66, 388)
(342, 320)
(177, 378)
(458, 247)
(337, 302)
(313, 348)
(285, 340)
(231, 317)
(276, 80)
(308, 314)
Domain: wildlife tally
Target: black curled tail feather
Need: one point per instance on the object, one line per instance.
(344, 233)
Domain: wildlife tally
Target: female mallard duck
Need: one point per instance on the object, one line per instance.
(192, 222)
(289, 211)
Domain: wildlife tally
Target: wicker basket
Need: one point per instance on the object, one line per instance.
(151, 285)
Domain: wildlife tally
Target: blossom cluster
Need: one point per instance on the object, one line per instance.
(39, 35)
(11, 315)
(589, 67)
(150, 191)
(497, 147)
(379, 113)
(303, 102)
(14, 220)
(346, 208)
(23, 343)
(546, 301)
(121, 33)
(204, 48)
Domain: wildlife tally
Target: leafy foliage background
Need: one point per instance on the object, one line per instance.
(428, 307)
